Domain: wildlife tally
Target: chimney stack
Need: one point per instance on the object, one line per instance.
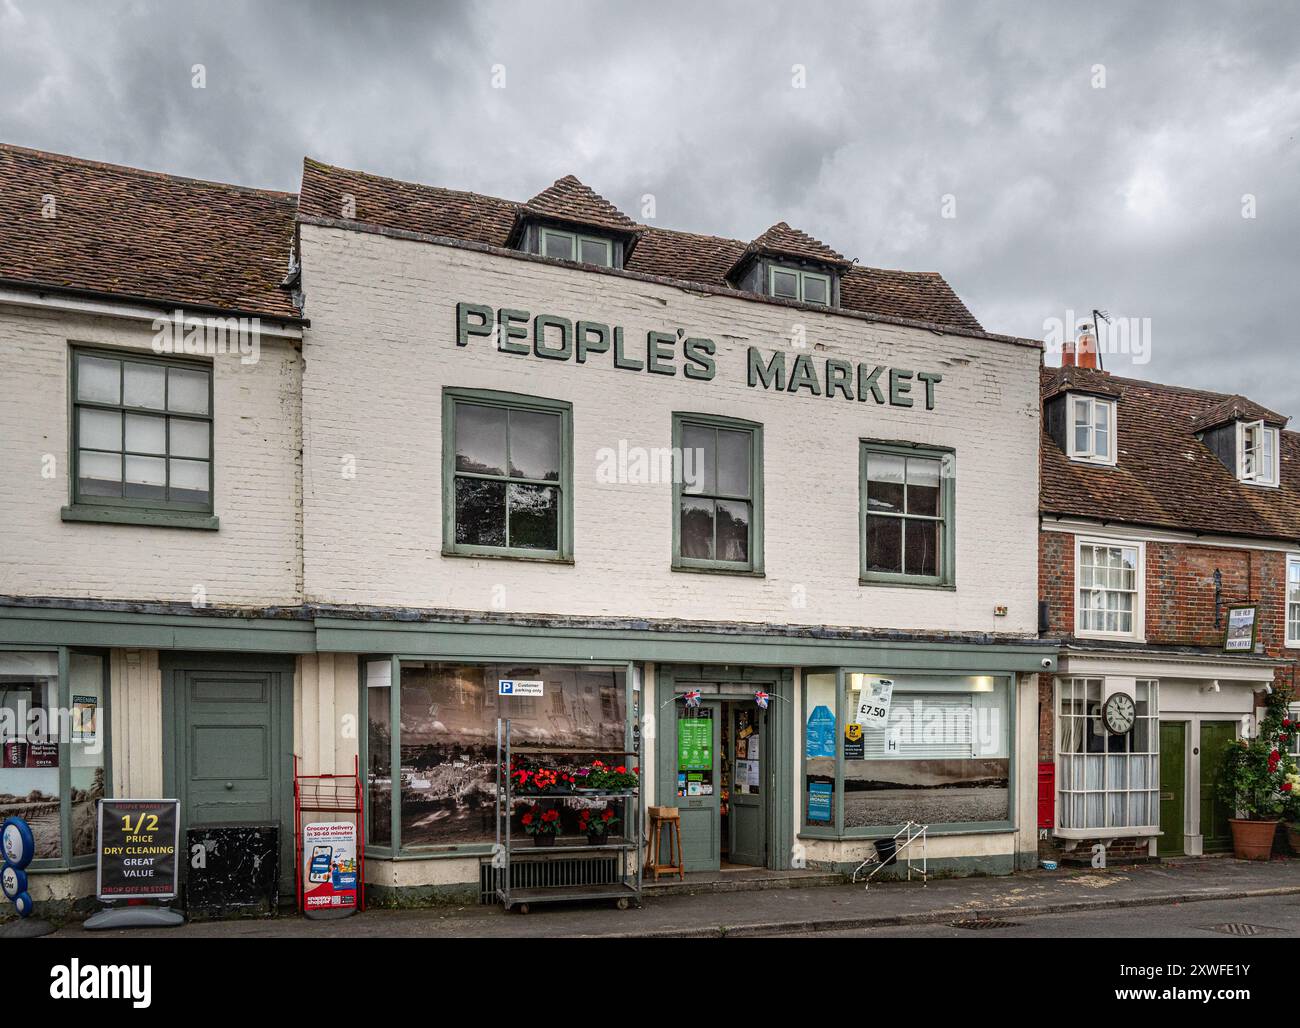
(1067, 353)
(1086, 348)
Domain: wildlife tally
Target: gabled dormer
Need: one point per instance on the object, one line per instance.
(1081, 414)
(570, 222)
(787, 264)
(1245, 437)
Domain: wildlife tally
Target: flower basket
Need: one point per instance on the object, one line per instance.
(1258, 779)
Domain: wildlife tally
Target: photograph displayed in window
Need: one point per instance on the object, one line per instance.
(819, 748)
(142, 432)
(1106, 780)
(716, 493)
(509, 476)
(905, 530)
(448, 718)
(1108, 588)
(1093, 428)
(379, 751)
(29, 776)
(943, 756)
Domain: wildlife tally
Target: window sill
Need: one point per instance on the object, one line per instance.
(890, 583)
(140, 516)
(1113, 832)
(737, 571)
(507, 556)
(886, 831)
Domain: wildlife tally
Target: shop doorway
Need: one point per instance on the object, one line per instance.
(1216, 833)
(227, 744)
(722, 787)
(1173, 793)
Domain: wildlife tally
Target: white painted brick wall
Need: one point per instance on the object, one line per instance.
(251, 561)
(382, 346)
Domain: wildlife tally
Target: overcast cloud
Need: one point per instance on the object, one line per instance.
(1067, 196)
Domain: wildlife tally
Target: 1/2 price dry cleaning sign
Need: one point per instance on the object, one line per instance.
(138, 840)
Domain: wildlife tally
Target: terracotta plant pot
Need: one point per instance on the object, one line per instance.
(1293, 837)
(1252, 840)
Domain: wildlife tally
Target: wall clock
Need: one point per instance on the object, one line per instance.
(1119, 713)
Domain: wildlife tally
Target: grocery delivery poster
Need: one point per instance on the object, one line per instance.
(329, 855)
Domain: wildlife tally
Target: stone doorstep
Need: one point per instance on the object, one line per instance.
(738, 881)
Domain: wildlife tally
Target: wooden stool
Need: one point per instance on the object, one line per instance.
(662, 818)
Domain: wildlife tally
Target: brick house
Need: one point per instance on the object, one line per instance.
(1162, 509)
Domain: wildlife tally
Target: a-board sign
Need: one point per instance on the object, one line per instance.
(138, 841)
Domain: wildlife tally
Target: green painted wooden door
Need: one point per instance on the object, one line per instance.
(1173, 776)
(230, 750)
(747, 802)
(1216, 833)
(699, 784)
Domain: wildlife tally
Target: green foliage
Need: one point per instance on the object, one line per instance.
(1258, 777)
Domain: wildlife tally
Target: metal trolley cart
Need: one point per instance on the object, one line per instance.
(524, 874)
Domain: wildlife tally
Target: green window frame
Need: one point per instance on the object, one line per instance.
(517, 485)
(801, 280)
(934, 518)
(155, 422)
(686, 427)
(835, 827)
(577, 246)
(64, 698)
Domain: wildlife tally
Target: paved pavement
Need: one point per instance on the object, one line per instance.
(803, 911)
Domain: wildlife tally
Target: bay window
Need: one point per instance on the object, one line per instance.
(1106, 781)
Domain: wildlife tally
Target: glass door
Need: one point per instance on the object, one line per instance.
(699, 783)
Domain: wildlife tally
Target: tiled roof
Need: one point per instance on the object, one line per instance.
(685, 257)
(783, 241)
(569, 200)
(142, 235)
(1237, 408)
(1164, 476)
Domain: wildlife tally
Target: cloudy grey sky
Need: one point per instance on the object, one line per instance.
(1068, 194)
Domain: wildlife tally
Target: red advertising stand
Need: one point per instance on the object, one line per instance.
(333, 884)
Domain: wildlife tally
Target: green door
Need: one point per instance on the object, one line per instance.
(747, 791)
(228, 749)
(1173, 776)
(699, 784)
(1216, 833)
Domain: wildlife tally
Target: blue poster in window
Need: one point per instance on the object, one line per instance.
(819, 801)
(820, 740)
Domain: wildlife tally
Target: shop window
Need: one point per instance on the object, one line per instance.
(141, 433)
(717, 494)
(444, 786)
(576, 246)
(1106, 781)
(507, 475)
(907, 503)
(941, 755)
(1092, 429)
(1109, 593)
(1257, 453)
(789, 283)
(52, 723)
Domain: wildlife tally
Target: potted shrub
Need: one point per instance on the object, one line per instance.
(1254, 781)
(542, 824)
(597, 826)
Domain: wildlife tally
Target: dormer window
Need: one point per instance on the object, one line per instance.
(1257, 453)
(798, 284)
(1092, 429)
(576, 246)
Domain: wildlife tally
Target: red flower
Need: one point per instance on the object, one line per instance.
(1286, 786)
(528, 819)
(609, 813)
(550, 816)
